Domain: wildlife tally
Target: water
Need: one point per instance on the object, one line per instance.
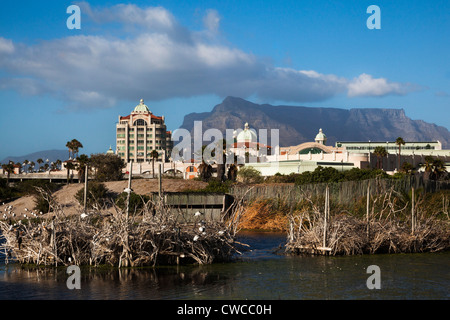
(259, 274)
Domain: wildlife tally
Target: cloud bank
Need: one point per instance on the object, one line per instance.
(161, 59)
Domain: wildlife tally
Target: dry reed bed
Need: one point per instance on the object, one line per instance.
(388, 227)
(158, 235)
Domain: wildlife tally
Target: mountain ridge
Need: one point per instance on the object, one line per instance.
(298, 124)
(51, 155)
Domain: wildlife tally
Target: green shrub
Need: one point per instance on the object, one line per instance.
(249, 175)
(97, 195)
(137, 202)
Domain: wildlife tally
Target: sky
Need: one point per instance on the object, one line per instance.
(59, 84)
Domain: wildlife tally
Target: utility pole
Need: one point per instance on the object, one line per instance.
(85, 187)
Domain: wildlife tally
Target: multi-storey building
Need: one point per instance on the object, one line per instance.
(141, 132)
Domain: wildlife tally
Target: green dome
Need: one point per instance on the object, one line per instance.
(141, 107)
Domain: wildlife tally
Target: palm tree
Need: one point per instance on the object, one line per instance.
(83, 161)
(8, 168)
(434, 167)
(31, 166)
(25, 163)
(69, 145)
(39, 161)
(221, 163)
(399, 142)
(76, 145)
(380, 152)
(69, 166)
(205, 171)
(154, 156)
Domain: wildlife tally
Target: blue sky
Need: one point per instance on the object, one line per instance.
(58, 84)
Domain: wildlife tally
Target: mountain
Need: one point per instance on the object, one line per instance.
(301, 124)
(51, 155)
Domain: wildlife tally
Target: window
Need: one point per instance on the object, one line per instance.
(140, 122)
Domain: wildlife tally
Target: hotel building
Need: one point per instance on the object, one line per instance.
(141, 132)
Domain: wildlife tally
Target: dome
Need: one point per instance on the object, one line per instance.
(141, 107)
(321, 137)
(247, 135)
(110, 151)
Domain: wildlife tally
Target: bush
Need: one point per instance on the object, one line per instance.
(137, 202)
(108, 167)
(249, 175)
(97, 195)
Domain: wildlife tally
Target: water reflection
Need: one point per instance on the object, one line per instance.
(259, 274)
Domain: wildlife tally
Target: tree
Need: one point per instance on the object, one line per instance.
(58, 163)
(83, 161)
(31, 166)
(69, 166)
(25, 163)
(154, 156)
(8, 168)
(73, 145)
(70, 147)
(399, 141)
(108, 167)
(434, 168)
(249, 175)
(380, 153)
(205, 171)
(97, 195)
(76, 145)
(221, 159)
(39, 161)
(232, 172)
(407, 168)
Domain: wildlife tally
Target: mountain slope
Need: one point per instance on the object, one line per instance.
(301, 124)
(51, 155)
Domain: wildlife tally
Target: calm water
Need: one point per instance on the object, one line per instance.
(259, 274)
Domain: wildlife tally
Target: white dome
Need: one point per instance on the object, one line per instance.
(247, 135)
(321, 137)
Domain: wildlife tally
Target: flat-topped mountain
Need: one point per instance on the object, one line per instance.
(298, 124)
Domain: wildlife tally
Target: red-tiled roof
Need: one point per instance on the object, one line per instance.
(250, 145)
(151, 115)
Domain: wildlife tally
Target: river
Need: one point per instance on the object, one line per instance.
(259, 273)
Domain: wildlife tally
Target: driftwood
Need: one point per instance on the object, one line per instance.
(157, 235)
(387, 227)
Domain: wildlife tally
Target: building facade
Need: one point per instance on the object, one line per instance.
(140, 133)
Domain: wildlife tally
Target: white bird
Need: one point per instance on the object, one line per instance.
(201, 229)
(196, 237)
(26, 209)
(220, 232)
(198, 213)
(40, 212)
(83, 215)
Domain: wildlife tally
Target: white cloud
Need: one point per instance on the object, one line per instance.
(6, 46)
(366, 85)
(212, 20)
(162, 60)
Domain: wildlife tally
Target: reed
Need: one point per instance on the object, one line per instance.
(108, 236)
(391, 225)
